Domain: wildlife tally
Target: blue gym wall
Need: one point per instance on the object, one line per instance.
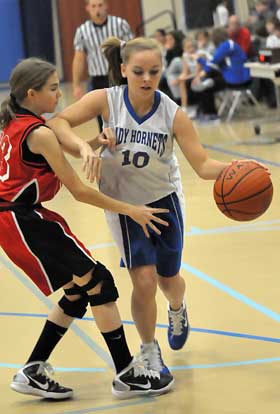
(11, 42)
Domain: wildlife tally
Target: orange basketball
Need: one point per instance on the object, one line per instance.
(243, 191)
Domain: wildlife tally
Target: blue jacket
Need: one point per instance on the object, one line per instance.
(229, 58)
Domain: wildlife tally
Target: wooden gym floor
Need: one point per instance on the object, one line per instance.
(231, 362)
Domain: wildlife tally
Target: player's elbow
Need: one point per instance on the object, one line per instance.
(202, 174)
(79, 193)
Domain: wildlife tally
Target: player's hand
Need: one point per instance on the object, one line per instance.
(108, 138)
(91, 162)
(256, 162)
(145, 216)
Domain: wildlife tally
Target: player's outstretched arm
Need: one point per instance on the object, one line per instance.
(188, 141)
(88, 107)
(43, 141)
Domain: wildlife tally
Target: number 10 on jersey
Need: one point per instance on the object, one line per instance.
(138, 159)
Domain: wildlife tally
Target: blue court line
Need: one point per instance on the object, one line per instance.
(79, 332)
(268, 225)
(237, 335)
(147, 400)
(164, 326)
(241, 154)
(226, 364)
(231, 292)
(185, 266)
(172, 368)
(61, 369)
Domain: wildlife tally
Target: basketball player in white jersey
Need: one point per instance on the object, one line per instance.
(139, 166)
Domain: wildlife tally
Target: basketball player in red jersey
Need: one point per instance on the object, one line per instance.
(39, 241)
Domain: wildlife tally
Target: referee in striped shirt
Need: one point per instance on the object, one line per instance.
(88, 39)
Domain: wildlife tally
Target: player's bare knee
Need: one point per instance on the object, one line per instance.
(145, 287)
(99, 286)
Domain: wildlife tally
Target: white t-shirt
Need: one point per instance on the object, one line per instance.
(221, 15)
(273, 41)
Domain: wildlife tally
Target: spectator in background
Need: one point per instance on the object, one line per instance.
(88, 39)
(239, 34)
(189, 71)
(229, 58)
(270, 26)
(273, 39)
(173, 63)
(160, 36)
(221, 14)
(204, 44)
(258, 17)
(225, 69)
(277, 9)
(273, 5)
(264, 89)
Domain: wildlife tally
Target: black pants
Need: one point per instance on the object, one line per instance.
(206, 98)
(99, 82)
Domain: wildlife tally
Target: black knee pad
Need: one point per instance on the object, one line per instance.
(77, 308)
(108, 292)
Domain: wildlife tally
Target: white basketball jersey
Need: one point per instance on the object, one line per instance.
(143, 167)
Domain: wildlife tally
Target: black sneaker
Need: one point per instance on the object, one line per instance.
(137, 380)
(33, 379)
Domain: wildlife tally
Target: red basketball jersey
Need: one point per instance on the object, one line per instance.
(24, 176)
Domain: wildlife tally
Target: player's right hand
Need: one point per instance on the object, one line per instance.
(145, 216)
(91, 162)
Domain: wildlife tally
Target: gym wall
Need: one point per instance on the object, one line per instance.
(11, 46)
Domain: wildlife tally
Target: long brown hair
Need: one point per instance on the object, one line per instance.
(31, 73)
(117, 52)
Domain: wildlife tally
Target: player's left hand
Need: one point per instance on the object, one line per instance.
(256, 162)
(91, 162)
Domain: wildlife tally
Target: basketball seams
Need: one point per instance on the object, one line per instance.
(221, 177)
(244, 205)
(222, 190)
(247, 198)
(240, 180)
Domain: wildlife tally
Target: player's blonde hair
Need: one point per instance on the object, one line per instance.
(31, 73)
(118, 51)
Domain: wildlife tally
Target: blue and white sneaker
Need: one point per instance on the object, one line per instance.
(151, 356)
(178, 330)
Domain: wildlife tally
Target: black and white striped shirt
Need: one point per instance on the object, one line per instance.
(90, 36)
